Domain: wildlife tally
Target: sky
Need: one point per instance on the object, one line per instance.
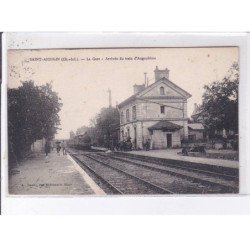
(82, 77)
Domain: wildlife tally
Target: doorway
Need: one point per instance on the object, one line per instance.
(135, 138)
(169, 140)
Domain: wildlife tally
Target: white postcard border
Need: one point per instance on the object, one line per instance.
(178, 204)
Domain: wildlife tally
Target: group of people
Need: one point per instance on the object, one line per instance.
(128, 145)
(59, 145)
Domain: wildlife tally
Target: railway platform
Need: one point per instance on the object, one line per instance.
(59, 175)
(172, 154)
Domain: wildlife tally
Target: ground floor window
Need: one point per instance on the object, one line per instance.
(128, 132)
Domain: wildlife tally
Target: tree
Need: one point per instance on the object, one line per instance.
(104, 127)
(82, 130)
(219, 107)
(32, 115)
(107, 124)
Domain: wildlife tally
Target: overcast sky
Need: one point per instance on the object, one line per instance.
(82, 84)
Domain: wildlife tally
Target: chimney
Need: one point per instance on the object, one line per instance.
(160, 73)
(138, 88)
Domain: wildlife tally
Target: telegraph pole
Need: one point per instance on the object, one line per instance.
(145, 74)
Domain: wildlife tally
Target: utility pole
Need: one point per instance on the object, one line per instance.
(145, 74)
(110, 101)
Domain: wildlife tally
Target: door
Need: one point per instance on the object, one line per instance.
(169, 140)
(135, 138)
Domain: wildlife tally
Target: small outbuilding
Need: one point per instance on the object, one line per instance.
(195, 132)
(165, 134)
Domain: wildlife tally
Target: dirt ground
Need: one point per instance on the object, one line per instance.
(59, 176)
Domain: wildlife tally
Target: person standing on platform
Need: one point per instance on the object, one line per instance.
(47, 150)
(58, 148)
(64, 147)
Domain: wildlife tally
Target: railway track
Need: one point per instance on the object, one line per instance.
(117, 180)
(123, 175)
(228, 183)
(227, 176)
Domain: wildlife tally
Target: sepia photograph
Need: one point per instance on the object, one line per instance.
(123, 121)
(124, 125)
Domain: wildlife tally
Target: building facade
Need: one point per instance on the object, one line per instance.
(196, 132)
(156, 113)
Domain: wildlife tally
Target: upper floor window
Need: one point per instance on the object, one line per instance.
(127, 115)
(162, 92)
(122, 117)
(162, 109)
(134, 112)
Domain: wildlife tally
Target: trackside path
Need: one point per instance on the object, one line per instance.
(60, 176)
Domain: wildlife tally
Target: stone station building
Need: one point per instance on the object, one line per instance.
(157, 113)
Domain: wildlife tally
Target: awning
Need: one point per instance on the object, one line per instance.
(165, 126)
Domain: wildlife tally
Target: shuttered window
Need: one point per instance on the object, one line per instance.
(122, 117)
(127, 115)
(134, 112)
(162, 109)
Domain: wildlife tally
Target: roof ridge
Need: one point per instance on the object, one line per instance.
(133, 97)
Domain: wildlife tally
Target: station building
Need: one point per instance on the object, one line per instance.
(156, 113)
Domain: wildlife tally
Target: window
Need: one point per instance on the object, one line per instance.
(162, 91)
(134, 112)
(128, 134)
(127, 115)
(162, 109)
(122, 117)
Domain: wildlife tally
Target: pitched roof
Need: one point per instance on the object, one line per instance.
(196, 126)
(128, 100)
(165, 126)
(170, 84)
(197, 110)
(133, 97)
